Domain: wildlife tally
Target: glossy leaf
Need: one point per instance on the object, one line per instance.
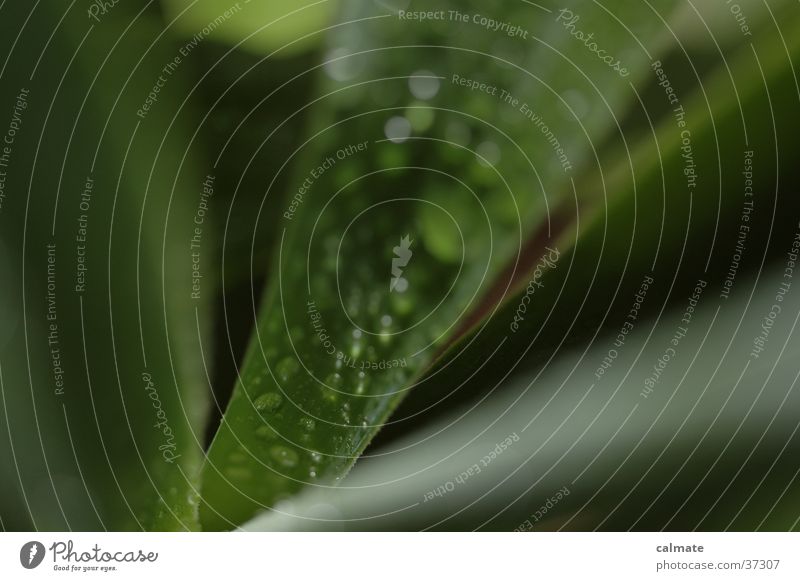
(382, 253)
(594, 417)
(711, 447)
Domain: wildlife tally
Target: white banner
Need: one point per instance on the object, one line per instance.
(389, 556)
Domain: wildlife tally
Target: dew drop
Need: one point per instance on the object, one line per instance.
(266, 432)
(329, 395)
(308, 424)
(286, 368)
(488, 154)
(334, 380)
(340, 66)
(284, 456)
(397, 129)
(424, 85)
(269, 402)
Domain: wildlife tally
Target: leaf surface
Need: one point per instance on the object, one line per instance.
(354, 313)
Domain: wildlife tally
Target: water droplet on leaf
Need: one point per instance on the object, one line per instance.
(286, 368)
(286, 457)
(269, 402)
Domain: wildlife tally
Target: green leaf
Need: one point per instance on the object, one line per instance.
(103, 396)
(650, 222)
(258, 27)
(629, 452)
(337, 345)
(711, 447)
(241, 105)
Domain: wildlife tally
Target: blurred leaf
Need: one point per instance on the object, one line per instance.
(712, 446)
(104, 394)
(287, 26)
(652, 222)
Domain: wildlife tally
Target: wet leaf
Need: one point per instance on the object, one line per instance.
(383, 254)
